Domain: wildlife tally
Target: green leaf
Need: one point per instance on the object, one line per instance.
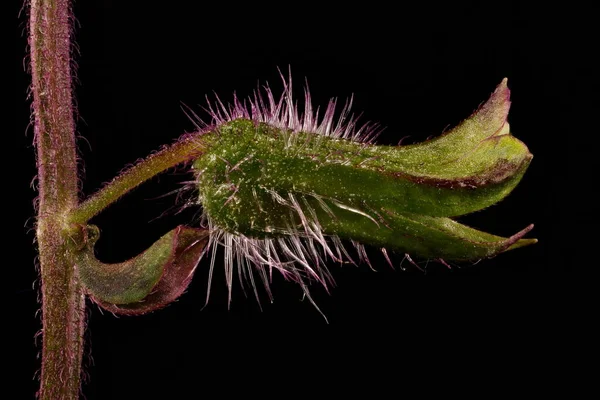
(148, 281)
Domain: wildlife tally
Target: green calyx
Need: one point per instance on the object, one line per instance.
(261, 181)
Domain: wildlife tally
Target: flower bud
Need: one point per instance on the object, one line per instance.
(280, 189)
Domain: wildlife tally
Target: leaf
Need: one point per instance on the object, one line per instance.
(148, 281)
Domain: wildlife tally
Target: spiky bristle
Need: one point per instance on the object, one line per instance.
(284, 114)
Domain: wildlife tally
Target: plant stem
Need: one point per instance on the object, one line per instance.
(186, 149)
(63, 301)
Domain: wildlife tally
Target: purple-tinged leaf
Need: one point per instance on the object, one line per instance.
(147, 282)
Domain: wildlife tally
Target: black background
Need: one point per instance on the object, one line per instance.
(414, 69)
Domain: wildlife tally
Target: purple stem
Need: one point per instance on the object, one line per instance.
(63, 301)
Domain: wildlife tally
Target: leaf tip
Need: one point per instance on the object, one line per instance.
(516, 241)
(502, 92)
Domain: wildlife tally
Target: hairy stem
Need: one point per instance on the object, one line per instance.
(63, 303)
(186, 149)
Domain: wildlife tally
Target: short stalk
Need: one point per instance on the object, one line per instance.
(186, 149)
